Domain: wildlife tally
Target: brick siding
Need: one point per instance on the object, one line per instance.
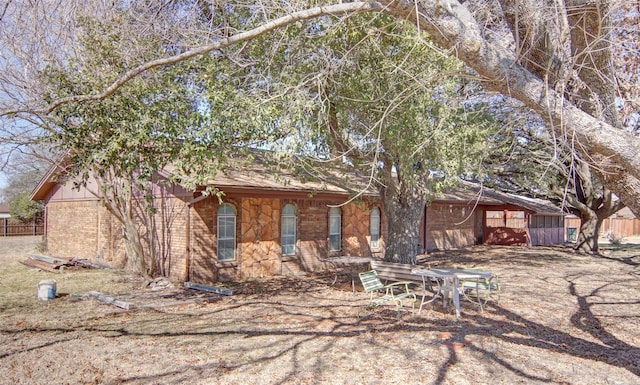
(83, 229)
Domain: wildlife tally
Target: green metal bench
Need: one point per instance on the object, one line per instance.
(372, 284)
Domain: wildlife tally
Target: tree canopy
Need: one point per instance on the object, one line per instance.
(376, 95)
(554, 57)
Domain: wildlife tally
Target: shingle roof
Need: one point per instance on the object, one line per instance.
(260, 171)
(472, 191)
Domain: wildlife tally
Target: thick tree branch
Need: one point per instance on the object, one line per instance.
(338, 9)
(452, 26)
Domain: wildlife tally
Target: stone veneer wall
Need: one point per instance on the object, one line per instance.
(258, 250)
(259, 243)
(449, 226)
(356, 231)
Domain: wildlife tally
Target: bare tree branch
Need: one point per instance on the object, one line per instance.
(338, 9)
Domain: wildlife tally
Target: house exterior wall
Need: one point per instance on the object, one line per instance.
(258, 247)
(449, 226)
(77, 225)
(83, 229)
(546, 229)
(170, 240)
(506, 236)
(357, 231)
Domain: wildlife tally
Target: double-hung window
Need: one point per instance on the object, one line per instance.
(335, 229)
(226, 232)
(374, 228)
(288, 230)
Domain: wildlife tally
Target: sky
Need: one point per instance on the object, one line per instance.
(3, 183)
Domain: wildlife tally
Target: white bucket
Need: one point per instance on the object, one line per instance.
(47, 289)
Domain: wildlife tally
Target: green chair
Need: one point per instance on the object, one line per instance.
(396, 291)
(481, 290)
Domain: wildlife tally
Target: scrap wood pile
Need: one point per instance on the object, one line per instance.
(56, 264)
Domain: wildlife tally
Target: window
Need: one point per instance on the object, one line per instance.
(226, 232)
(335, 227)
(288, 230)
(374, 227)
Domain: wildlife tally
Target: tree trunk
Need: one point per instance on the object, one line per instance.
(403, 212)
(134, 247)
(587, 241)
(116, 194)
(401, 245)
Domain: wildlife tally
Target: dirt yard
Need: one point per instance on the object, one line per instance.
(562, 319)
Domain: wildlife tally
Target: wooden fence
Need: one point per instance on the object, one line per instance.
(620, 227)
(9, 228)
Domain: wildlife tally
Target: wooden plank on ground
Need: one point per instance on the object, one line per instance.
(86, 263)
(40, 265)
(111, 300)
(211, 289)
(53, 260)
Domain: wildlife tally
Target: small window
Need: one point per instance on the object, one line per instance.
(288, 230)
(335, 227)
(374, 228)
(226, 232)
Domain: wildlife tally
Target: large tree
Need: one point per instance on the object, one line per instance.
(535, 162)
(554, 56)
(379, 98)
(182, 120)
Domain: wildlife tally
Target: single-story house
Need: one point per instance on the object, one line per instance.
(267, 226)
(5, 212)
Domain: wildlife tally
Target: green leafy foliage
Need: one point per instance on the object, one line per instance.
(24, 209)
(372, 90)
(370, 93)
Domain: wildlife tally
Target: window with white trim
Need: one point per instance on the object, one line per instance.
(226, 232)
(288, 230)
(335, 229)
(374, 228)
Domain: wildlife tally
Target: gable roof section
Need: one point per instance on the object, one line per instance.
(473, 192)
(48, 182)
(260, 172)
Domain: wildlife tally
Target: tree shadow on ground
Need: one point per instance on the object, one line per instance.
(321, 325)
(281, 319)
(483, 255)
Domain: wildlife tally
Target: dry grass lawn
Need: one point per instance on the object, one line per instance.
(562, 319)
